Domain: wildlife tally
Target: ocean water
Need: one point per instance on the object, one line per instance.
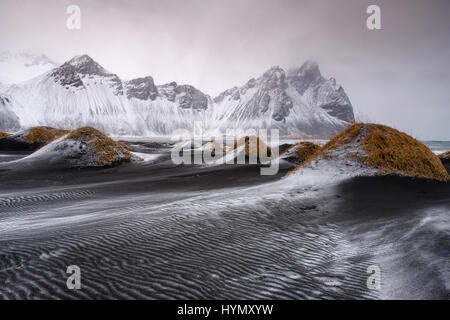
(438, 147)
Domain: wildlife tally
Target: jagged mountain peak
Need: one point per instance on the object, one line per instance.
(310, 66)
(273, 78)
(274, 74)
(324, 93)
(274, 70)
(84, 64)
(144, 79)
(76, 72)
(300, 100)
(305, 77)
(81, 59)
(308, 72)
(81, 92)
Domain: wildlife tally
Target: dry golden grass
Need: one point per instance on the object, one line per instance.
(393, 151)
(387, 149)
(4, 134)
(44, 135)
(345, 137)
(109, 151)
(252, 148)
(304, 150)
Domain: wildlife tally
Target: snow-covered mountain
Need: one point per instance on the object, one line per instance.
(9, 121)
(82, 93)
(299, 102)
(17, 67)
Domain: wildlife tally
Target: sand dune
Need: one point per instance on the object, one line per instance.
(158, 231)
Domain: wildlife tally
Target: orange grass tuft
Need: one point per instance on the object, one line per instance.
(4, 134)
(44, 135)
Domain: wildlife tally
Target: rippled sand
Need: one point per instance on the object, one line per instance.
(156, 231)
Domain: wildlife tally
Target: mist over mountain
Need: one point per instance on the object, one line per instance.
(81, 92)
(21, 66)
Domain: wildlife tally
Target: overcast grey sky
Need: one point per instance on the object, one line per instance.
(399, 75)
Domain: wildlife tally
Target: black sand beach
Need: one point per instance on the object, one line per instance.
(159, 231)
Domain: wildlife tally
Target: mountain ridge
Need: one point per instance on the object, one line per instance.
(81, 92)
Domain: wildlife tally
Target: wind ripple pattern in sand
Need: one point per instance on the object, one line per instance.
(31, 199)
(216, 247)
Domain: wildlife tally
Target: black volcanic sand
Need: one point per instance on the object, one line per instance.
(12, 155)
(405, 222)
(446, 164)
(159, 231)
(8, 144)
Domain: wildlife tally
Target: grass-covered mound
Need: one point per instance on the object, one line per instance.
(43, 135)
(363, 147)
(253, 146)
(83, 147)
(31, 139)
(96, 148)
(300, 152)
(4, 134)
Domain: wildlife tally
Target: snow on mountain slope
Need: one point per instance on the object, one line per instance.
(323, 93)
(17, 67)
(9, 121)
(299, 103)
(82, 93)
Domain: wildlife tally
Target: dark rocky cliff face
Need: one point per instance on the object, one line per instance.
(324, 93)
(142, 88)
(191, 98)
(188, 97)
(72, 72)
